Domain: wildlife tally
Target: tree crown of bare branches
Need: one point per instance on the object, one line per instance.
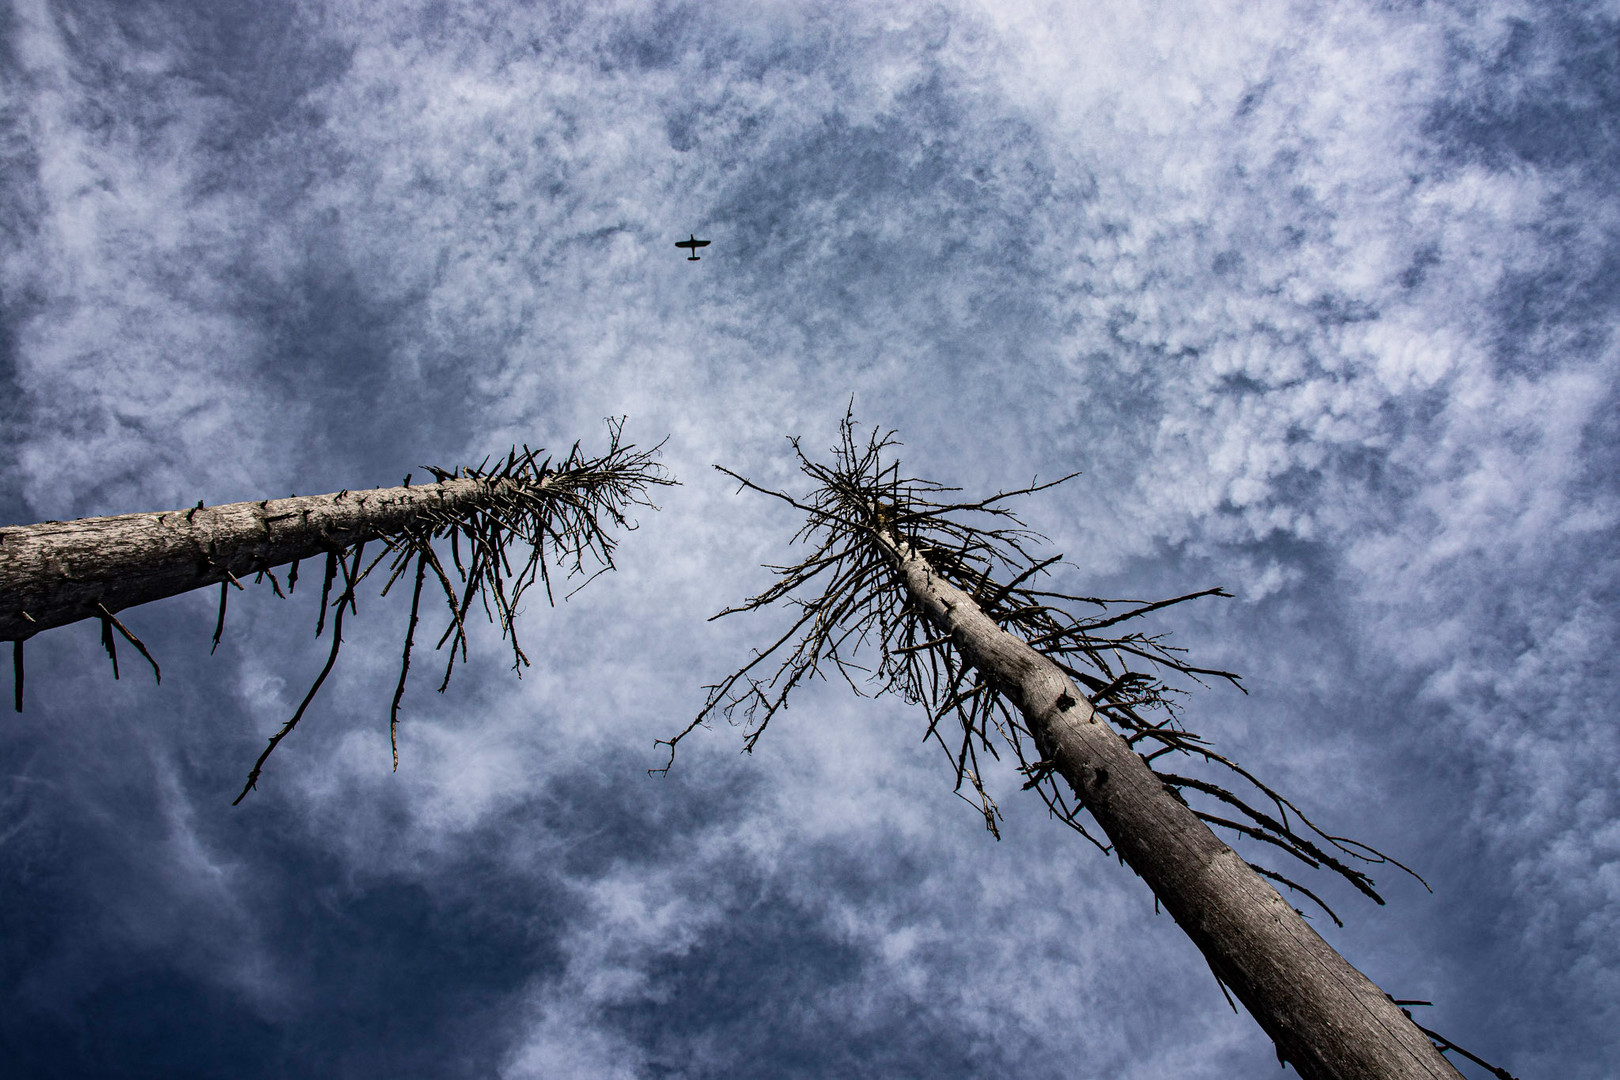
(565, 512)
(849, 600)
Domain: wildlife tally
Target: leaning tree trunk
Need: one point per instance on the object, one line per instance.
(60, 572)
(954, 612)
(1327, 1019)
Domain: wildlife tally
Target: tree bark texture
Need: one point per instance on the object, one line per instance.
(1326, 1018)
(59, 572)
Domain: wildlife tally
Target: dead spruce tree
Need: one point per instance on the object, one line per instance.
(562, 512)
(952, 610)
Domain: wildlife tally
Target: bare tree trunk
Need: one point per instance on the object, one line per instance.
(1327, 1019)
(945, 592)
(59, 572)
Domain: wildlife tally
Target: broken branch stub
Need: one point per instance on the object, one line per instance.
(945, 592)
(565, 513)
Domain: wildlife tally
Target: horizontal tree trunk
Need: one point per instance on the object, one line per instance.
(59, 572)
(1327, 1019)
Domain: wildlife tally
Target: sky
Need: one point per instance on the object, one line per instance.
(1320, 300)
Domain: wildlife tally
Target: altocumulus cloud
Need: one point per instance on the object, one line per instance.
(1319, 297)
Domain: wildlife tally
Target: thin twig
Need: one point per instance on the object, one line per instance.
(405, 660)
(109, 617)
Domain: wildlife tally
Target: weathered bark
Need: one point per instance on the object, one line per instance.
(1327, 1019)
(59, 572)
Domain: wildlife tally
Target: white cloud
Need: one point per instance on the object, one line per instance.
(1217, 256)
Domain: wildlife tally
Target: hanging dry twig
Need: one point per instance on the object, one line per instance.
(509, 526)
(945, 592)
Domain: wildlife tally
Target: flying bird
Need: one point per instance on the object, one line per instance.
(692, 244)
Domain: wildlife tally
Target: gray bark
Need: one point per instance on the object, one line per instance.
(59, 572)
(1327, 1018)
